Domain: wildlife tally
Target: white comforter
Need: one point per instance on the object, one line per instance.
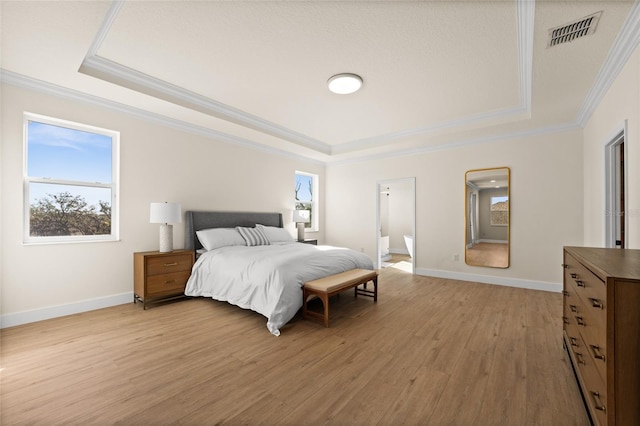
(268, 279)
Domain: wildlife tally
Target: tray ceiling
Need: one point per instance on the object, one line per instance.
(436, 74)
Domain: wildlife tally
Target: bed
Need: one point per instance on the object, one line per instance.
(249, 260)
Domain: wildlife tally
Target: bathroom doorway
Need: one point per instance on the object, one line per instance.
(615, 183)
(396, 223)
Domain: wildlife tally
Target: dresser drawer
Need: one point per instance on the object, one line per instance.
(172, 263)
(575, 340)
(594, 388)
(589, 288)
(594, 338)
(160, 285)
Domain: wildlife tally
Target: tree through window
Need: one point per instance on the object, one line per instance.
(306, 196)
(500, 211)
(70, 182)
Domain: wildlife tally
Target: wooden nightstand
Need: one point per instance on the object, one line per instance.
(160, 276)
(313, 242)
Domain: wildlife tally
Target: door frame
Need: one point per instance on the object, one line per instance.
(412, 212)
(611, 195)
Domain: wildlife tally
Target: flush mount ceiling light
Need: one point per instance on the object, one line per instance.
(345, 83)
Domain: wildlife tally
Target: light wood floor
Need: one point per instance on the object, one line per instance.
(495, 255)
(430, 352)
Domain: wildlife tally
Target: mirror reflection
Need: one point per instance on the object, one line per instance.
(487, 217)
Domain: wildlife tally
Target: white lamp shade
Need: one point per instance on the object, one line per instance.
(302, 216)
(165, 213)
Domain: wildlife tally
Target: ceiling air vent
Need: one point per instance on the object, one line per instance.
(574, 30)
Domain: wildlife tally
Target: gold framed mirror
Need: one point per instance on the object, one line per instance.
(487, 217)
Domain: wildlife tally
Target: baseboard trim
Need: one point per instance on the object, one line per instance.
(25, 317)
(488, 279)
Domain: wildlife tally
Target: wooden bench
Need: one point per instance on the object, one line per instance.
(326, 287)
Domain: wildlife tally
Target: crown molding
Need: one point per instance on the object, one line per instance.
(19, 80)
(15, 79)
(526, 11)
(124, 76)
(459, 144)
(387, 139)
(109, 19)
(623, 47)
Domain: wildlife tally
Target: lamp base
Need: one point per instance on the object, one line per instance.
(300, 226)
(166, 238)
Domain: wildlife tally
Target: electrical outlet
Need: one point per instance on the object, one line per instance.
(456, 257)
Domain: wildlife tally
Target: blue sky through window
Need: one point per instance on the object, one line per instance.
(68, 154)
(62, 153)
(305, 183)
(495, 200)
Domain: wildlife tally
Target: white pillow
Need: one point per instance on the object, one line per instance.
(253, 236)
(275, 234)
(214, 238)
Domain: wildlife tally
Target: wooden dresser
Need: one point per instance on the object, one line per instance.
(160, 276)
(601, 315)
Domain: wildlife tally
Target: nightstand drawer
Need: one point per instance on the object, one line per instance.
(160, 276)
(167, 283)
(167, 264)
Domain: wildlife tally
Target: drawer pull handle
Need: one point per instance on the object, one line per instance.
(565, 320)
(598, 404)
(565, 293)
(580, 321)
(596, 303)
(574, 341)
(574, 275)
(596, 352)
(573, 308)
(171, 264)
(170, 282)
(580, 358)
(564, 265)
(580, 283)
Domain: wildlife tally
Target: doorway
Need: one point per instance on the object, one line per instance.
(396, 224)
(615, 183)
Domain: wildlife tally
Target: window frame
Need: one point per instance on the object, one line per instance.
(314, 225)
(28, 180)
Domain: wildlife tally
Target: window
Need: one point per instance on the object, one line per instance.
(500, 211)
(306, 191)
(70, 181)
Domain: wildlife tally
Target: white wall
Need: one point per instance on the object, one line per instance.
(546, 206)
(158, 163)
(622, 102)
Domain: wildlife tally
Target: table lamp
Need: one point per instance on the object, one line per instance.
(165, 213)
(300, 217)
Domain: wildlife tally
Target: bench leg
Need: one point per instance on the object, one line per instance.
(371, 293)
(325, 301)
(308, 314)
(375, 289)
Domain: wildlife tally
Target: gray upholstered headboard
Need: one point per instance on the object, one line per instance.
(195, 221)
